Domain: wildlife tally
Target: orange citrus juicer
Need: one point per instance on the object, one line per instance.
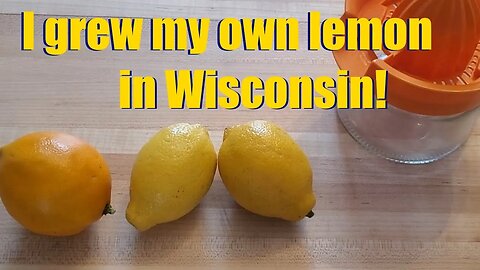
(442, 81)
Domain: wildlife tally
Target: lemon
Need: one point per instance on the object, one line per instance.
(172, 173)
(266, 171)
(53, 183)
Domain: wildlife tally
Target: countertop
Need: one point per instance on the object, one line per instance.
(370, 213)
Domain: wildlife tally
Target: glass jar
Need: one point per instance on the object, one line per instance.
(407, 137)
(433, 95)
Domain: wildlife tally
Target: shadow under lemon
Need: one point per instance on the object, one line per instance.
(19, 246)
(244, 238)
(173, 243)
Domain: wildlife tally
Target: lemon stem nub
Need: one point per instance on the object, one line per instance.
(310, 214)
(108, 210)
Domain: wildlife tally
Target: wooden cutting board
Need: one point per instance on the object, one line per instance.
(370, 213)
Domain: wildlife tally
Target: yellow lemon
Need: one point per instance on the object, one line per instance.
(266, 171)
(172, 173)
(53, 183)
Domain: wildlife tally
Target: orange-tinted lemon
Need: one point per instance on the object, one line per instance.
(54, 183)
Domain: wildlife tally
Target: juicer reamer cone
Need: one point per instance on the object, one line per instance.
(441, 81)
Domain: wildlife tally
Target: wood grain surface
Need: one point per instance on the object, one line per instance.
(370, 213)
